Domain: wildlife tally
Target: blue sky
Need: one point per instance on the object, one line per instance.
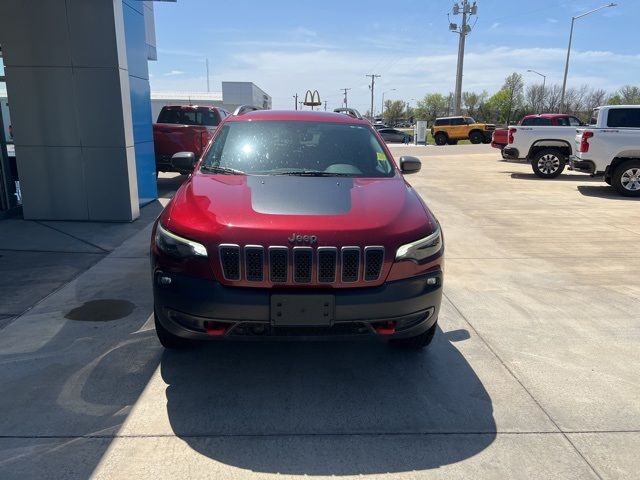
(288, 46)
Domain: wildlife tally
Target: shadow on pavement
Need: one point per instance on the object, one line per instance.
(604, 191)
(561, 178)
(328, 408)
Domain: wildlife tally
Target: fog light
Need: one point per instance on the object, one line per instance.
(432, 281)
(164, 280)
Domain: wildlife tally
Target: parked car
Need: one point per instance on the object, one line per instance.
(449, 130)
(610, 146)
(296, 224)
(380, 126)
(499, 138)
(547, 148)
(392, 135)
(183, 128)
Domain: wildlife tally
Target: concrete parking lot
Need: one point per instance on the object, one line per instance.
(532, 374)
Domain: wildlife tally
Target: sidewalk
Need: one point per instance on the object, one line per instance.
(37, 258)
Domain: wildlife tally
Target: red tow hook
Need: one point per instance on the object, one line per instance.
(215, 329)
(388, 328)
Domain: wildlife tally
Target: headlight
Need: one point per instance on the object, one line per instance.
(172, 244)
(421, 249)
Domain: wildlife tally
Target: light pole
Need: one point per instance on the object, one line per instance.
(566, 65)
(386, 91)
(544, 81)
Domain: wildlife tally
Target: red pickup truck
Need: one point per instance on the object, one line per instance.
(183, 128)
(499, 138)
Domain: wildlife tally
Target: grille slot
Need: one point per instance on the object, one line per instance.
(254, 263)
(302, 262)
(350, 264)
(373, 260)
(278, 264)
(327, 261)
(230, 261)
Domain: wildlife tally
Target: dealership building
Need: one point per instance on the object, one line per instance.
(81, 110)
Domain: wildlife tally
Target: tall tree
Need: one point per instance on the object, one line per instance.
(393, 111)
(470, 100)
(433, 105)
(629, 95)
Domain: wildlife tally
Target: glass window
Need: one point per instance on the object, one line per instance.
(443, 121)
(298, 148)
(594, 116)
(189, 117)
(624, 118)
(536, 122)
(563, 121)
(574, 122)
(469, 120)
(457, 121)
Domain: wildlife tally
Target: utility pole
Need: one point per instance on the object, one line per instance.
(300, 103)
(325, 105)
(207, 62)
(467, 10)
(373, 84)
(345, 90)
(295, 103)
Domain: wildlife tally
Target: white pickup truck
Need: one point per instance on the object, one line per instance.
(610, 146)
(547, 148)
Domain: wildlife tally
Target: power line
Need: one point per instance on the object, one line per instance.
(372, 86)
(467, 10)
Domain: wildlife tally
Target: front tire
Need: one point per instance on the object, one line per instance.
(548, 163)
(626, 178)
(169, 340)
(476, 137)
(417, 342)
(440, 138)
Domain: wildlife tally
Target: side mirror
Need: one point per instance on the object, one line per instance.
(183, 161)
(410, 164)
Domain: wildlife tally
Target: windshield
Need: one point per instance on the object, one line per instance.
(297, 148)
(470, 121)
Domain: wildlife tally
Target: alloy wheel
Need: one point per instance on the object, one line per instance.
(548, 164)
(630, 179)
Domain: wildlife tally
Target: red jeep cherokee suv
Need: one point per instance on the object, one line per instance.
(296, 224)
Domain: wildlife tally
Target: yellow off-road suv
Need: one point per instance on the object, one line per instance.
(448, 130)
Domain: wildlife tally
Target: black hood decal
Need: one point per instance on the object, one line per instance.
(295, 195)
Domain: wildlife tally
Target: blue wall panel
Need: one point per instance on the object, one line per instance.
(140, 102)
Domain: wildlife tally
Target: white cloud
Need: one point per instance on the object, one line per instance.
(552, 20)
(173, 73)
(494, 26)
(282, 74)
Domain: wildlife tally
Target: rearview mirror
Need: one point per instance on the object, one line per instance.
(183, 161)
(410, 164)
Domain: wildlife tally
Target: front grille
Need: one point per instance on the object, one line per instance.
(301, 265)
(350, 264)
(278, 264)
(373, 259)
(327, 263)
(230, 261)
(254, 263)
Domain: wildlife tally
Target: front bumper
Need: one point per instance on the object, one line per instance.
(205, 309)
(510, 153)
(580, 165)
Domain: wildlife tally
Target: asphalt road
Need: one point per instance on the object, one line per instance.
(532, 374)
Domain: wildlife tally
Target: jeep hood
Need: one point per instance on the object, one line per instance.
(267, 210)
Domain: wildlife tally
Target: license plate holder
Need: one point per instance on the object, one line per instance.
(302, 310)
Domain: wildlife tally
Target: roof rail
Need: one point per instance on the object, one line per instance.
(349, 111)
(242, 109)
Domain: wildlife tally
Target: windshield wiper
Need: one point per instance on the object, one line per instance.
(223, 170)
(312, 173)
